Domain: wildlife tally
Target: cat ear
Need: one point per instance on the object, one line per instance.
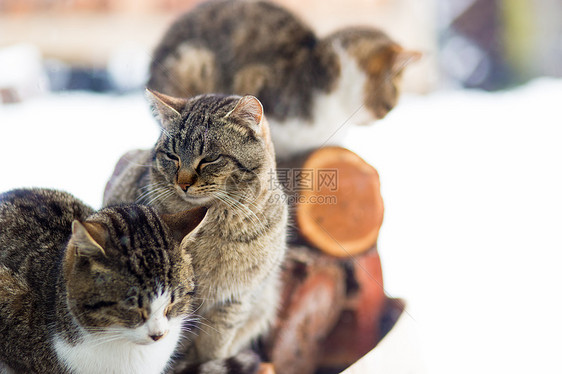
(185, 223)
(166, 108)
(88, 238)
(404, 58)
(249, 111)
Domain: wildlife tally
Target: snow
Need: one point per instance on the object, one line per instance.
(29, 78)
(472, 184)
(71, 141)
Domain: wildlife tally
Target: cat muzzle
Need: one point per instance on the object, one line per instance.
(158, 336)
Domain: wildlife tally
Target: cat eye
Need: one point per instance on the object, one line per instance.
(208, 160)
(131, 301)
(171, 156)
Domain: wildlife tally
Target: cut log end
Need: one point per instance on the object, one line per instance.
(343, 213)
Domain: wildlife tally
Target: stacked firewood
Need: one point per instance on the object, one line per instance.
(333, 295)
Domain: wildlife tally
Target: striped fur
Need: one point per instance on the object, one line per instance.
(245, 362)
(259, 48)
(216, 151)
(89, 292)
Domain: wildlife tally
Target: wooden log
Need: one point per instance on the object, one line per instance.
(266, 368)
(358, 329)
(393, 310)
(313, 296)
(335, 200)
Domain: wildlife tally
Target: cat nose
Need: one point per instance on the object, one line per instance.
(185, 179)
(158, 336)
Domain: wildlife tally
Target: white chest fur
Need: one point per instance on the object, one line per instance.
(332, 114)
(94, 355)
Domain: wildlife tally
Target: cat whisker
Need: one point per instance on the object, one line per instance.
(182, 342)
(207, 326)
(199, 298)
(167, 197)
(194, 326)
(143, 196)
(100, 339)
(233, 203)
(161, 195)
(107, 341)
(237, 207)
(153, 189)
(151, 185)
(198, 318)
(199, 306)
(245, 199)
(244, 210)
(190, 327)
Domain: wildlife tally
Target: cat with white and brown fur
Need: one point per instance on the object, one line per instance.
(91, 292)
(310, 87)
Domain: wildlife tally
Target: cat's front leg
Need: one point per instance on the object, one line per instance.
(219, 327)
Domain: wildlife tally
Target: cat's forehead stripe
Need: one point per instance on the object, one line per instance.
(202, 113)
(193, 138)
(153, 222)
(140, 236)
(138, 221)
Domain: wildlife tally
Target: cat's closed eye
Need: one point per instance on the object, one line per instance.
(131, 301)
(208, 160)
(171, 156)
(100, 305)
(183, 291)
(132, 297)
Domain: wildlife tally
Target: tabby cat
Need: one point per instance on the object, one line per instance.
(215, 150)
(310, 87)
(91, 292)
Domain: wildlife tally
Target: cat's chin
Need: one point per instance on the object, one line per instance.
(198, 200)
(145, 342)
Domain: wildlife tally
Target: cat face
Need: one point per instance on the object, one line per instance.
(213, 149)
(126, 273)
(384, 70)
(382, 61)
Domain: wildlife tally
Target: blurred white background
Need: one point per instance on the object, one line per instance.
(470, 160)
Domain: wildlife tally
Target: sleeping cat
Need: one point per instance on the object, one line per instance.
(310, 87)
(87, 292)
(215, 150)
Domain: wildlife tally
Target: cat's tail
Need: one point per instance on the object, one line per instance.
(245, 362)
